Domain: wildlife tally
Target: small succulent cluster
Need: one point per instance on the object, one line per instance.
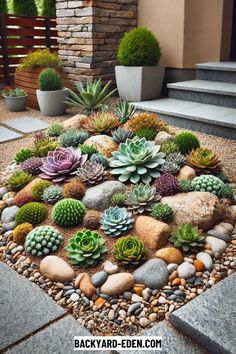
(137, 160)
(74, 189)
(99, 158)
(44, 146)
(186, 141)
(39, 187)
(167, 184)
(88, 149)
(147, 133)
(116, 221)
(204, 160)
(21, 231)
(169, 148)
(43, 240)
(173, 163)
(100, 123)
(33, 213)
(162, 212)
(118, 199)
(208, 183)
(227, 191)
(52, 194)
(124, 111)
(55, 130)
(141, 197)
(68, 212)
(188, 237)
(92, 173)
(24, 154)
(72, 138)
(145, 120)
(32, 165)
(130, 250)
(18, 180)
(185, 185)
(120, 135)
(62, 164)
(86, 248)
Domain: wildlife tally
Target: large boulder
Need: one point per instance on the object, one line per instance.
(104, 144)
(73, 122)
(202, 209)
(153, 274)
(99, 197)
(154, 233)
(25, 195)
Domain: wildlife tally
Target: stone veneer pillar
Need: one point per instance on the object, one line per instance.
(88, 35)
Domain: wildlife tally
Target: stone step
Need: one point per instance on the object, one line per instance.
(203, 91)
(210, 119)
(210, 319)
(217, 71)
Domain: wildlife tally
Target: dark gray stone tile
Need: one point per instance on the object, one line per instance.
(26, 124)
(6, 134)
(173, 342)
(57, 338)
(24, 307)
(210, 319)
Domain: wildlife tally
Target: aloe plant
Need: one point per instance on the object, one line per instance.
(124, 110)
(90, 97)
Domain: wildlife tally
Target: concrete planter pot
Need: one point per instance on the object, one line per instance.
(15, 104)
(139, 83)
(51, 103)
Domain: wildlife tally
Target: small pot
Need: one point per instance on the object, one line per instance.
(51, 103)
(15, 104)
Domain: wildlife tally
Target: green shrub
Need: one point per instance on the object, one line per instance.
(55, 130)
(3, 6)
(185, 185)
(139, 47)
(16, 92)
(49, 80)
(169, 148)
(42, 58)
(42, 147)
(23, 154)
(33, 213)
(186, 142)
(18, 180)
(88, 149)
(49, 8)
(24, 8)
(39, 187)
(147, 133)
(68, 212)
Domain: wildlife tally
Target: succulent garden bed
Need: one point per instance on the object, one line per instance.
(121, 220)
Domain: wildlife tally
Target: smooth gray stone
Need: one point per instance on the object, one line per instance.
(210, 319)
(6, 134)
(24, 308)
(26, 124)
(3, 191)
(219, 235)
(58, 338)
(99, 278)
(153, 274)
(173, 342)
(9, 213)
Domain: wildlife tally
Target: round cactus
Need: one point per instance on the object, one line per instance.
(116, 221)
(130, 250)
(86, 248)
(34, 213)
(68, 212)
(208, 183)
(20, 232)
(43, 240)
(162, 212)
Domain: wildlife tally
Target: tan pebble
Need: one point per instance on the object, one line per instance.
(181, 287)
(154, 302)
(100, 302)
(199, 291)
(192, 296)
(155, 309)
(173, 275)
(207, 246)
(176, 281)
(199, 265)
(58, 296)
(183, 282)
(138, 289)
(152, 317)
(86, 286)
(78, 280)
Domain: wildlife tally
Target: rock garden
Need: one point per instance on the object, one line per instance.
(119, 219)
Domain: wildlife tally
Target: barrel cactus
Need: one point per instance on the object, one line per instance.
(188, 237)
(21, 231)
(141, 197)
(86, 248)
(52, 194)
(43, 240)
(130, 250)
(137, 160)
(208, 183)
(116, 221)
(68, 212)
(162, 212)
(33, 213)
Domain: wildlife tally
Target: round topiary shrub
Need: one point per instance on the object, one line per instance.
(186, 141)
(139, 47)
(49, 80)
(33, 213)
(68, 212)
(43, 240)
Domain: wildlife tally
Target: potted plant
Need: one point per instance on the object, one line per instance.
(27, 73)
(51, 96)
(15, 99)
(139, 77)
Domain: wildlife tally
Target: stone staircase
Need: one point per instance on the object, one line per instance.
(207, 104)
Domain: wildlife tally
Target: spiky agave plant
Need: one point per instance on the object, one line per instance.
(130, 250)
(188, 237)
(91, 96)
(124, 110)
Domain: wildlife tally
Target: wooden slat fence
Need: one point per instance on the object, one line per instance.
(18, 35)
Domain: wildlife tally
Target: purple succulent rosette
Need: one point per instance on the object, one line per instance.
(61, 164)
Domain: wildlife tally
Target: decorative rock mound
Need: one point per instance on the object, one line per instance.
(25, 196)
(154, 233)
(56, 269)
(201, 209)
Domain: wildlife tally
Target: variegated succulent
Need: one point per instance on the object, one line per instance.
(92, 173)
(141, 197)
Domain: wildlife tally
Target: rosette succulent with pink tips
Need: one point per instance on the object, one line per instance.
(61, 164)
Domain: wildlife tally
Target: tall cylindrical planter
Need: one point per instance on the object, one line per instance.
(51, 103)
